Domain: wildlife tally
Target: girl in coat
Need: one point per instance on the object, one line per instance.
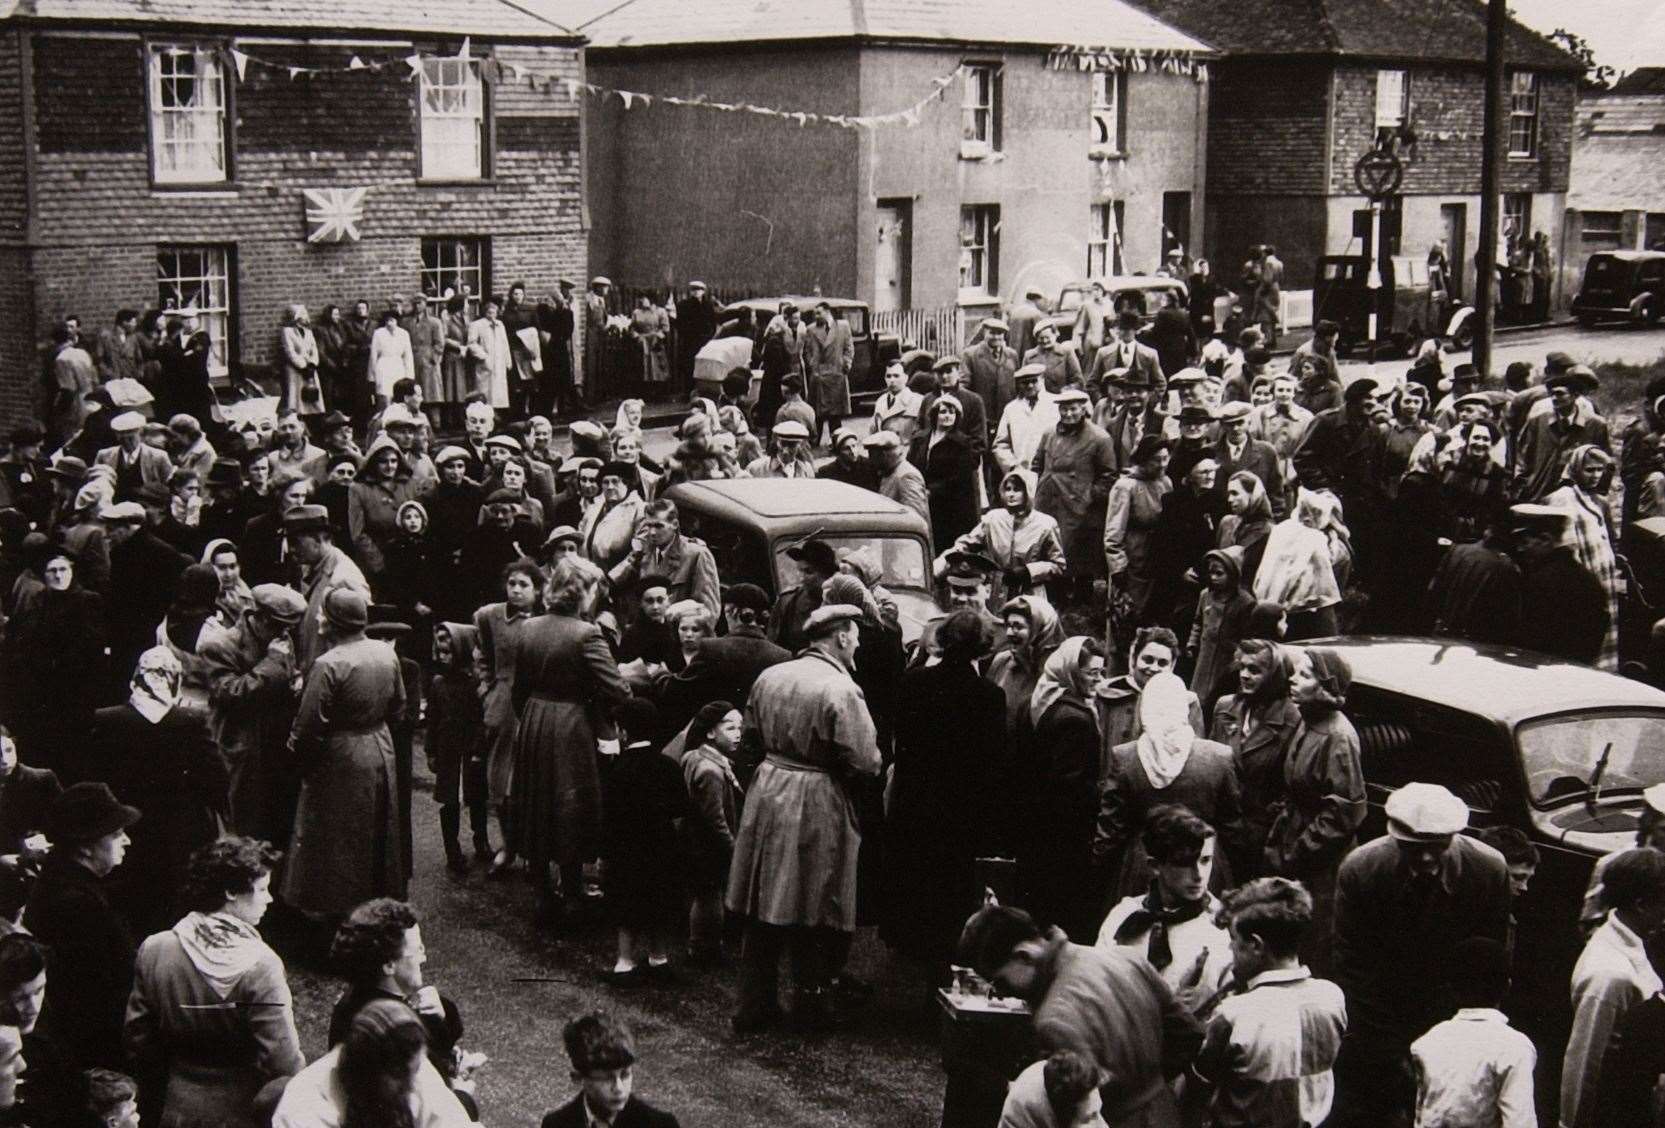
(1248, 521)
(564, 680)
(714, 801)
(411, 577)
(1032, 634)
(501, 626)
(455, 741)
(1059, 764)
(210, 1008)
(949, 466)
(1217, 625)
(1168, 764)
(645, 798)
(1259, 723)
(1323, 802)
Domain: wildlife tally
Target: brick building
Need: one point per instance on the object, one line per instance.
(1305, 87)
(154, 153)
(1066, 141)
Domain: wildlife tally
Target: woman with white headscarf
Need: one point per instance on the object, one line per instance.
(1585, 483)
(1297, 571)
(159, 757)
(1056, 772)
(1168, 763)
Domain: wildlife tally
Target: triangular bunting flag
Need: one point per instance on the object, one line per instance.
(626, 97)
(463, 54)
(414, 62)
(241, 62)
(357, 64)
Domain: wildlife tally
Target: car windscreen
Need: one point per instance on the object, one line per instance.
(855, 317)
(902, 562)
(1343, 270)
(1572, 756)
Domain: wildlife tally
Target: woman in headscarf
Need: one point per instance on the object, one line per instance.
(85, 537)
(1155, 650)
(944, 796)
(195, 605)
(1130, 521)
(380, 1075)
(1323, 802)
(54, 663)
(160, 758)
(1168, 764)
(211, 1009)
(607, 528)
(1032, 634)
(564, 679)
(235, 596)
(1583, 492)
(627, 448)
(1023, 543)
(1247, 522)
(747, 446)
(949, 466)
(1222, 610)
(1058, 769)
(1259, 723)
(1296, 572)
(383, 485)
(1186, 530)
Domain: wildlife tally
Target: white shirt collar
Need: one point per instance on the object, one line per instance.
(1480, 1014)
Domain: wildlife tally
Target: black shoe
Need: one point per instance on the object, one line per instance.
(456, 863)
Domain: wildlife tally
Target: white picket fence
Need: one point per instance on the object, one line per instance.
(1297, 309)
(939, 330)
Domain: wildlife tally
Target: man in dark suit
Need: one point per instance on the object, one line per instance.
(26, 798)
(1128, 353)
(724, 669)
(603, 1056)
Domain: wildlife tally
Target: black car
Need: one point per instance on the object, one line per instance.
(1622, 286)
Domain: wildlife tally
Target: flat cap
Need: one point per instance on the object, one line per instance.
(830, 617)
(696, 284)
(306, 519)
(816, 552)
(945, 363)
(1580, 378)
(882, 440)
(127, 421)
(601, 280)
(1072, 395)
(1531, 517)
(1030, 372)
(225, 471)
(841, 435)
(1425, 812)
(450, 454)
(561, 533)
(123, 512)
(346, 609)
(1234, 411)
(502, 496)
(69, 467)
(1361, 389)
(279, 602)
(747, 597)
(789, 429)
(507, 442)
(1188, 376)
(995, 325)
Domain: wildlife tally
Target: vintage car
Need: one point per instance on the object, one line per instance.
(873, 350)
(1558, 750)
(1408, 308)
(750, 523)
(1139, 292)
(1622, 286)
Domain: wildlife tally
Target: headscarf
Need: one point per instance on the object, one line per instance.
(1296, 570)
(1231, 559)
(1165, 715)
(1576, 458)
(399, 517)
(864, 564)
(1333, 674)
(845, 588)
(367, 467)
(220, 946)
(156, 683)
(1260, 505)
(1325, 508)
(1045, 631)
(465, 643)
(1062, 678)
(1027, 479)
(621, 421)
(1276, 682)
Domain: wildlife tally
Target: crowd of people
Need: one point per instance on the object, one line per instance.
(223, 649)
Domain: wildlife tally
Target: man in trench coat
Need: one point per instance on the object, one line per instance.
(793, 874)
(828, 352)
(1076, 466)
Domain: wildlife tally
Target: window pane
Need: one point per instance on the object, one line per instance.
(198, 279)
(452, 120)
(187, 116)
(448, 267)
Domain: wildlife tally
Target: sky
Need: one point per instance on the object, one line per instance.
(1624, 34)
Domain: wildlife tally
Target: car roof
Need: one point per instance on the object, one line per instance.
(804, 302)
(836, 505)
(1630, 256)
(1499, 682)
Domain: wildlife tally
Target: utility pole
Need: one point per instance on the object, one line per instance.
(1491, 188)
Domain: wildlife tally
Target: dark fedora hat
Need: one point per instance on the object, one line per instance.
(86, 812)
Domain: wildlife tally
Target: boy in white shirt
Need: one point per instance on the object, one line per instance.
(1474, 1070)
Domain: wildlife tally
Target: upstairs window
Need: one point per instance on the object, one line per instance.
(980, 110)
(1523, 114)
(1109, 115)
(187, 116)
(1393, 99)
(453, 120)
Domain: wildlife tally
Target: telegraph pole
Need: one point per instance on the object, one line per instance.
(1491, 188)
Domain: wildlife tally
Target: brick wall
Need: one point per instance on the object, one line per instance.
(98, 220)
(1447, 110)
(1266, 127)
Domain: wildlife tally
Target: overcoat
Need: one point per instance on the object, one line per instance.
(827, 355)
(1075, 470)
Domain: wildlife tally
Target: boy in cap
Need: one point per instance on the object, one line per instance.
(1403, 901)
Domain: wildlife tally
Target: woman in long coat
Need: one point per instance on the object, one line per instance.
(1058, 766)
(211, 1009)
(1032, 634)
(1590, 533)
(383, 485)
(943, 790)
(564, 678)
(345, 847)
(949, 466)
(453, 367)
(1168, 763)
(1259, 723)
(1130, 521)
(53, 664)
(301, 390)
(499, 627)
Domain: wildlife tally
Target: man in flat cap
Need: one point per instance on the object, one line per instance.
(791, 457)
(1344, 451)
(1075, 465)
(1403, 901)
(1548, 437)
(1563, 604)
(324, 568)
(793, 874)
(135, 463)
(989, 365)
(144, 577)
(817, 563)
(1236, 450)
(697, 316)
(1061, 362)
(1030, 414)
(899, 479)
(253, 686)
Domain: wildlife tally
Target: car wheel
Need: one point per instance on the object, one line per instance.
(1648, 312)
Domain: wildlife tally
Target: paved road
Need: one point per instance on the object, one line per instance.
(1608, 344)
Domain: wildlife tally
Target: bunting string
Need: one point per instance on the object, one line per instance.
(1132, 59)
(499, 72)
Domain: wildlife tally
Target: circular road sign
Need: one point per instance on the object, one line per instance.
(1378, 174)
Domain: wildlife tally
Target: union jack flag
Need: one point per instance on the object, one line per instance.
(333, 214)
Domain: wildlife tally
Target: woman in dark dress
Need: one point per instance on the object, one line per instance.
(564, 678)
(53, 665)
(943, 792)
(645, 799)
(1259, 723)
(1059, 766)
(1185, 531)
(949, 467)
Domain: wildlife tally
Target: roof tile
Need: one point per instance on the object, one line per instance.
(434, 17)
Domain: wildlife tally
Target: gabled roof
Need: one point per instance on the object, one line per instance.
(1642, 80)
(1618, 150)
(1045, 23)
(490, 18)
(1411, 30)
